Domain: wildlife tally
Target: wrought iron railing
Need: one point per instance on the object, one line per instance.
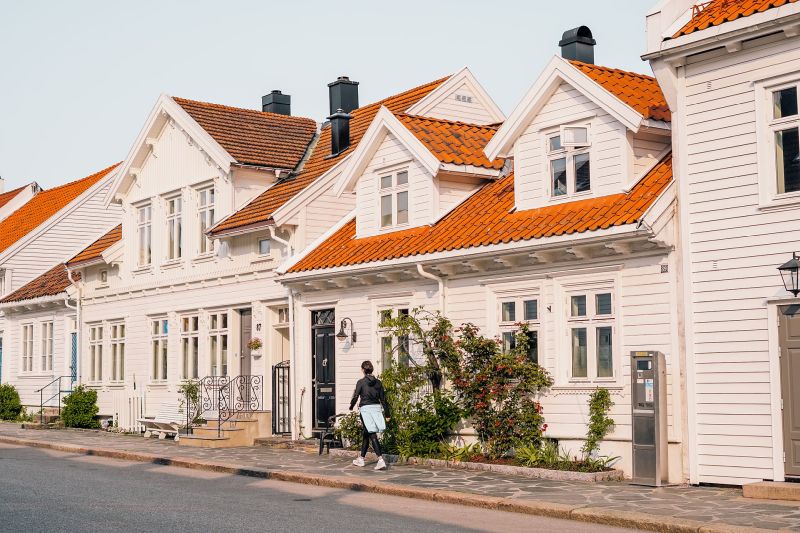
(281, 399)
(58, 394)
(224, 397)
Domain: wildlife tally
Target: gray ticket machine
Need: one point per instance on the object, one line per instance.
(649, 418)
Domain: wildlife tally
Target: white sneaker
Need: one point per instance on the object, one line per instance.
(381, 464)
(359, 461)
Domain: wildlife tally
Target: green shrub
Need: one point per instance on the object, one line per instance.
(80, 408)
(10, 405)
(349, 428)
(190, 390)
(459, 453)
(599, 422)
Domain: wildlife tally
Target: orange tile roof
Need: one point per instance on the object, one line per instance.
(640, 92)
(43, 206)
(487, 218)
(10, 195)
(716, 12)
(457, 143)
(254, 137)
(320, 161)
(96, 249)
(51, 283)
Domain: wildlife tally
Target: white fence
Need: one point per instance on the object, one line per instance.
(129, 407)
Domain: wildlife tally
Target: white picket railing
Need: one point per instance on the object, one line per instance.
(129, 407)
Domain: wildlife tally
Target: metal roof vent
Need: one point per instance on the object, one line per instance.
(578, 44)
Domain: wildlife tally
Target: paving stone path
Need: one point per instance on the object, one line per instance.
(705, 504)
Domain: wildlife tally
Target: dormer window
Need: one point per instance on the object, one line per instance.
(569, 161)
(394, 199)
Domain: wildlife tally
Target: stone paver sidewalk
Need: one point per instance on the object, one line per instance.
(699, 504)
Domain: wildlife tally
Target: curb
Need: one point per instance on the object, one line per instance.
(538, 508)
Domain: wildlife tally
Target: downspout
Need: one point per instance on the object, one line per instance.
(78, 326)
(442, 286)
(296, 428)
(287, 244)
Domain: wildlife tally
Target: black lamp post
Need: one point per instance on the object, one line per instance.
(342, 335)
(789, 272)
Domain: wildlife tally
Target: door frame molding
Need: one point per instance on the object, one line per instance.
(313, 361)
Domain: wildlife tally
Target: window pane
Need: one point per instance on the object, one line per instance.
(531, 310)
(604, 353)
(558, 172)
(579, 305)
(402, 178)
(264, 246)
(386, 210)
(533, 346)
(787, 155)
(386, 352)
(509, 311)
(582, 173)
(579, 353)
(509, 341)
(578, 136)
(785, 102)
(403, 351)
(386, 182)
(402, 208)
(603, 304)
(555, 143)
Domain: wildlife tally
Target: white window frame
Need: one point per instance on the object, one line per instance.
(144, 235)
(3, 283)
(509, 328)
(190, 346)
(159, 349)
(96, 334)
(47, 344)
(219, 343)
(206, 210)
(173, 222)
(268, 253)
(568, 152)
(26, 348)
(591, 322)
(392, 192)
(389, 344)
(766, 126)
(116, 336)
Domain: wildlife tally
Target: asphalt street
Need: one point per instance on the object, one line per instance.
(45, 490)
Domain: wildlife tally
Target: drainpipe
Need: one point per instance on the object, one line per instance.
(287, 244)
(78, 328)
(294, 402)
(442, 286)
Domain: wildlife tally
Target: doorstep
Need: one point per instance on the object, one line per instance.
(772, 490)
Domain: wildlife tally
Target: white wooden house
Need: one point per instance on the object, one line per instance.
(731, 74)
(562, 217)
(37, 314)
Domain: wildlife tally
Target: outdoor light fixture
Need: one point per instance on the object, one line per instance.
(789, 271)
(342, 335)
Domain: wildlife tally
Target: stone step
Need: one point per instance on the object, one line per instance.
(204, 441)
(772, 490)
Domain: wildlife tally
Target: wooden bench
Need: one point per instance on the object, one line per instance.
(170, 417)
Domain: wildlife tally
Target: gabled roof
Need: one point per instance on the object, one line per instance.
(320, 161)
(457, 143)
(43, 206)
(254, 137)
(488, 218)
(95, 250)
(639, 91)
(717, 12)
(10, 195)
(51, 283)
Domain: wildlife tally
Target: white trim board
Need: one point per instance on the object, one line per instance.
(445, 90)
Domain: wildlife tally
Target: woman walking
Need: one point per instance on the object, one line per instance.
(369, 390)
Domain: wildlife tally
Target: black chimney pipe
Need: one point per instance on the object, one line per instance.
(343, 94)
(578, 44)
(340, 131)
(277, 102)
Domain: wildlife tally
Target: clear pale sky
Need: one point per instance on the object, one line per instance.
(77, 79)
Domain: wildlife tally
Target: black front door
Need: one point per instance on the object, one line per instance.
(324, 365)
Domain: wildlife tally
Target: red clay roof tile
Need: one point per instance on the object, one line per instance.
(51, 283)
(640, 92)
(717, 12)
(320, 161)
(486, 218)
(10, 195)
(96, 249)
(43, 206)
(254, 137)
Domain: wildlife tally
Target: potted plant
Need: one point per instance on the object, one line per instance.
(255, 345)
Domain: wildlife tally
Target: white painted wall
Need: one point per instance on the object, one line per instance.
(461, 104)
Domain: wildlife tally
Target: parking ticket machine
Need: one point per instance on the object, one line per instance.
(649, 418)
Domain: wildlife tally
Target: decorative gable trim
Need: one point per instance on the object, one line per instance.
(164, 110)
(384, 122)
(446, 89)
(556, 72)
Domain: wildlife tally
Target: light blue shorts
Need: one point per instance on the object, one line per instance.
(372, 416)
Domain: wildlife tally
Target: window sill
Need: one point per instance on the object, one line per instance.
(158, 384)
(780, 202)
(570, 197)
(35, 375)
(263, 260)
(116, 384)
(169, 265)
(203, 258)
(143, 270)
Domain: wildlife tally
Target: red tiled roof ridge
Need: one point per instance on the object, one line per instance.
(96, 249)
(612, 69)
(246, 109)
(90, 177)
(494, 127)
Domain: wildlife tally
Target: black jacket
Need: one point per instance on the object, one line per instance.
(369, 390)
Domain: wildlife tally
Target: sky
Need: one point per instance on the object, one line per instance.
(78, 79)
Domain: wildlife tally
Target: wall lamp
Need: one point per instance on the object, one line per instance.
(789, 272)
(342, 335)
